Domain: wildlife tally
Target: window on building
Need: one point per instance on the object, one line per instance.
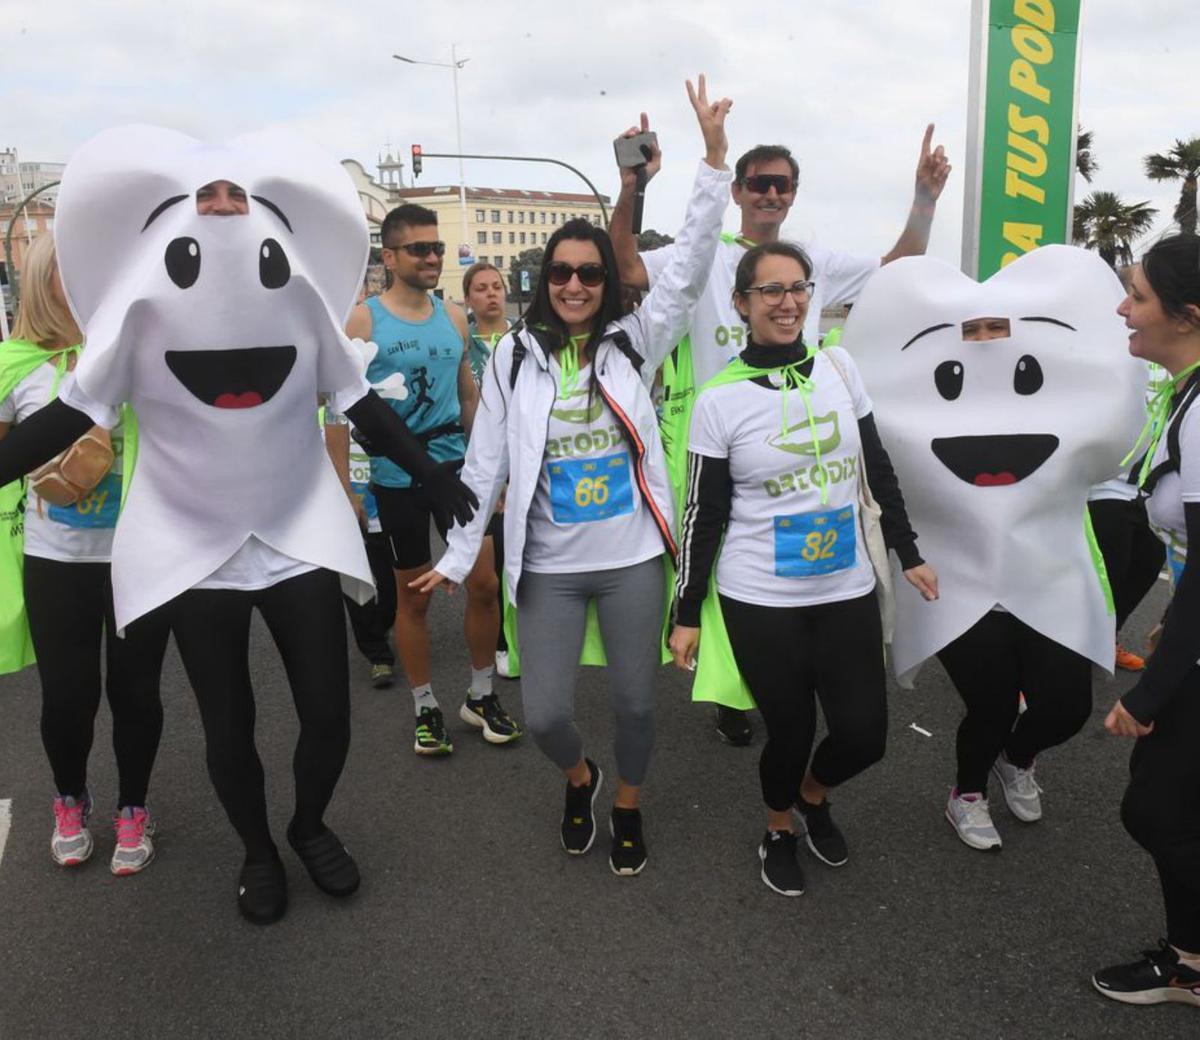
(543, 238)
(512, 237)
(495, 216)
(543, 216)
(481, 237)
(510, 216)
(480, 216)
(497, 237)
(520, 216)
(499, 261)
(522, 238)
(554, 218)
(485, 260)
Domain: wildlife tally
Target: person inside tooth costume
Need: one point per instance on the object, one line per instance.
(212, 282)
(1002, 403)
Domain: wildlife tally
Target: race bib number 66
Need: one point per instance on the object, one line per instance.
(583, 491)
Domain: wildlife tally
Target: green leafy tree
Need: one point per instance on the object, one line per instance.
(1181, 163)
(527, 260)
(651, 239)
(1106, 224)
(1085, 158)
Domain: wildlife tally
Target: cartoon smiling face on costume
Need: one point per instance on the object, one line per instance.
(224, 287)
(1001, 404)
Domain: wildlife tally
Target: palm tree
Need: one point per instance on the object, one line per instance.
(1181, 163)
(1104, 223)
(1085, 161)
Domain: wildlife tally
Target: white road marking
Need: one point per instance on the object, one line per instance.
(923, 732)
(5, 823)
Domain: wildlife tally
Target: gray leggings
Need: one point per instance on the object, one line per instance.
(551, 616)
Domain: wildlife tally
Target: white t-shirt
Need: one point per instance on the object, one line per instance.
(587, 513)
(783, 546)
(1165, 506)
(81, 533)
(718, 333)
(1120, 487)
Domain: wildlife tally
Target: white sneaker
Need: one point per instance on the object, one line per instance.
(1021, 790)
(971, 820)
(71, 843)
(502, 664)
(135, 850)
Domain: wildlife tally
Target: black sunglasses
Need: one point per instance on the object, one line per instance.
(591, 275)
(761, 183)
(421, 249)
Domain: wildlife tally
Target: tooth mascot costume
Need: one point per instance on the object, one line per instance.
(996, 444)
(219, 332)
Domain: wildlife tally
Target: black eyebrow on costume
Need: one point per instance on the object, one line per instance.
(274, 209)
(926, 332)
(162, 206)
(1052, 321)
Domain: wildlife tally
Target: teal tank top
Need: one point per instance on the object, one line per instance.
(428, 354)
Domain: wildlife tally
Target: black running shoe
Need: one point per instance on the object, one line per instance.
(579, 821)
(331, 867)
(487, 714)
(780, 871)
(821, 834)
(262, 891)
(733, 726)
(628, 854)
(1156, 979)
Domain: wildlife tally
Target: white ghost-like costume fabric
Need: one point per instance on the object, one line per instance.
(219, 330)
(997, 443)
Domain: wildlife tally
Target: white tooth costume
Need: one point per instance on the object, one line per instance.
(146, 276)
(1014, 540)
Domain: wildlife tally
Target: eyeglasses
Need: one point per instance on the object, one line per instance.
(421, 249)
(591, 275)
(761, 183)
(772, 292)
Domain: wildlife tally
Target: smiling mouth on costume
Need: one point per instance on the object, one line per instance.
(994, 461)
(239, 378)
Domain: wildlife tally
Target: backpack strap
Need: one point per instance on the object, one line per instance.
(518, 357)
(622, 342)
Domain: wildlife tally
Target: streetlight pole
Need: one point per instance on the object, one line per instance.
(455, 64)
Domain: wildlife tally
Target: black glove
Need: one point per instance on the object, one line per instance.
(39, 438)
(452, 500)
(364, 442)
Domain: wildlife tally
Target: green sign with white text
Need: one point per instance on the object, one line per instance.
(1024, 130)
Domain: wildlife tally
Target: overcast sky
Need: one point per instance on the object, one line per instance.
(848, 84)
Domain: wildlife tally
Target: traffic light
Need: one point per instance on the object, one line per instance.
(416, 163)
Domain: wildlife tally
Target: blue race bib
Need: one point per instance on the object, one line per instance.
(98, 508)
(1175, 560)
(808, 545)
(585, 490)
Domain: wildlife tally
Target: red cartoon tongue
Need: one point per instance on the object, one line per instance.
(248, 399)
(994, 479)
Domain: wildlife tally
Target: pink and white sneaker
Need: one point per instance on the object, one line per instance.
(135, 850)
(71, 843)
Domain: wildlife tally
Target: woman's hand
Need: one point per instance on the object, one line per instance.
(711, 117)
(923, 578)
(653, 160)
(430, 580)
(1121, 724)
(684, 643)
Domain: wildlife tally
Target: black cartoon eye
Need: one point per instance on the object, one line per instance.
(273, 267)
(948, 378)
(183, 261)
(1027, 378)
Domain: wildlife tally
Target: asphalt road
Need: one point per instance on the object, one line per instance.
(472, 922)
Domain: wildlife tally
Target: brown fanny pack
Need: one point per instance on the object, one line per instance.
(68, 477)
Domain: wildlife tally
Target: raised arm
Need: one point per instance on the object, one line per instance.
(620, 227)
(933, 168)
(666, 312)
(39, 438)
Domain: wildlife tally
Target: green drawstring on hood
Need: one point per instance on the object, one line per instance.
(1159, 411)
(568, 366)
(792, 379)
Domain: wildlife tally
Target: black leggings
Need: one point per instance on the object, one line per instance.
(371, 622)
(789, 654)
(1133, 554)
(991, 664)
(70, 616)
(212, 630)
(1161, 808)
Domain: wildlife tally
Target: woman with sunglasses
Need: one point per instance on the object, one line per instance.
(1161, 807)
(567, 419)
(777, 446)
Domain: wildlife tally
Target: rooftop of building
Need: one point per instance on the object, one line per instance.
(478, 194)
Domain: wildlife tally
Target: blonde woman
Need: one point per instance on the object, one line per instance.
(68, 593)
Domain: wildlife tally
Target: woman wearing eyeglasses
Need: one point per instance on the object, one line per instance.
(566, 417)
(777, 444)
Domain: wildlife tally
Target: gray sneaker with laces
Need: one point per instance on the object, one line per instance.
(1021, 790)
(968, 813)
